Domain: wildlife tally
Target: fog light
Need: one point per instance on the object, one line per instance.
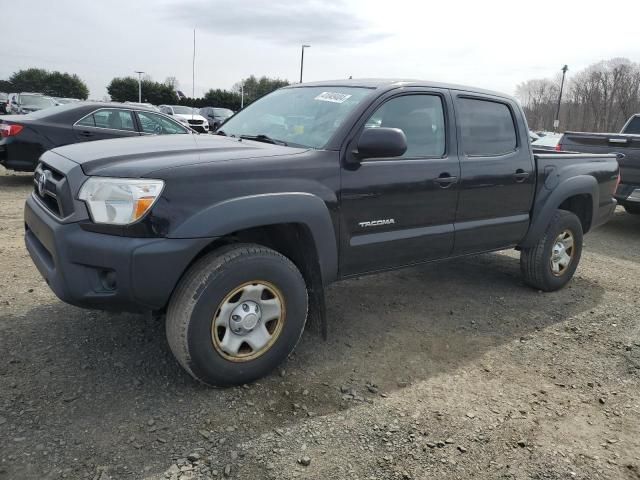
(108, 279)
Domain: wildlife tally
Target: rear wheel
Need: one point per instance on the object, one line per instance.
(633, 209)
(236, 314)
(552, 261)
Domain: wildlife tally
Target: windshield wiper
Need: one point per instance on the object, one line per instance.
(264, 138)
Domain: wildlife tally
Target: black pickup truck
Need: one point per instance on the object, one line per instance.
(235, 236)
(627, 145)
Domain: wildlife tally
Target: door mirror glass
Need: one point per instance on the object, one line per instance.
(382, 142)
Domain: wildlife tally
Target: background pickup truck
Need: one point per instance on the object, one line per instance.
(235, 236)
(627, 142)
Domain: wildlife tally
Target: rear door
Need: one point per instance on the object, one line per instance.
(497, 171)
(106, 123)
(398, 211)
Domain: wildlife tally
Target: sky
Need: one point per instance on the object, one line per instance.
(491, 44)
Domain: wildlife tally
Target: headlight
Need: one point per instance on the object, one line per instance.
(119, 201)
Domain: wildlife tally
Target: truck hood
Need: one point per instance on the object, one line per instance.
(139, 156)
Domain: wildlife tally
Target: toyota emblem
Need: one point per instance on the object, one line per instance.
(42, 182)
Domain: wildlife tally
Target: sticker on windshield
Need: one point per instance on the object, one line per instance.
(333, 97)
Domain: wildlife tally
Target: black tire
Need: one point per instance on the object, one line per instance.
(632, 209)
(535, 262)
(201, 292)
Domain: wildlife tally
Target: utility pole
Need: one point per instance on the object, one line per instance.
(193, 73)
(139, 86)
(241, 95)
(556, 122)
(302, 60)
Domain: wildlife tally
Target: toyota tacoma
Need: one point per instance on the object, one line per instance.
(235, 236)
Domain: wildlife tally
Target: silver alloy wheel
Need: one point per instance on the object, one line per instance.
(248, 321)
(562, 253)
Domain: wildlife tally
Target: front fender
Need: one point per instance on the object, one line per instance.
(269, 209)
(546, 205)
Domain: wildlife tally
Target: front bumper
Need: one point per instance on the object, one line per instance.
(106, 272)
(628, 194)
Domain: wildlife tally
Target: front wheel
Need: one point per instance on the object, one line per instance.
(552, 261)
(237, 313)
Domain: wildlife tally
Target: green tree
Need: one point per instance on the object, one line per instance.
(222, 99)
(126, 90)
(57, 84)
(255, 88)
(6, 86)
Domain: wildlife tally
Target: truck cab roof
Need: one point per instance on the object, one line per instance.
(391, 83)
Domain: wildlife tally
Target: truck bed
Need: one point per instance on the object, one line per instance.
(602, 143)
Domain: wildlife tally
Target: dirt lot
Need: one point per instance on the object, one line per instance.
(449, 370)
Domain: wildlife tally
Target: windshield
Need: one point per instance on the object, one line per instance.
(306, 116)
(36, 101)
(185, 110)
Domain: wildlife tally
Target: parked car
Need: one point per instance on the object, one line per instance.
(64, 101)
(23, 103)
(148, 106)
(236, 235)
(24, 138)
(215, 116)
(626, 143)
(551, 141)
(187, 116)
(4, 103)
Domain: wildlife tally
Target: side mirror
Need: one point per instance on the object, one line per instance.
(381, 142)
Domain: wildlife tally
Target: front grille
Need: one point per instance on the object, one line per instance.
(195, 122)
(52, 189)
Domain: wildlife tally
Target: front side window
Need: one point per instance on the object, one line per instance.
(110, 118)
(420, 117)
(303, 116)
(487, 127)
(159, 125)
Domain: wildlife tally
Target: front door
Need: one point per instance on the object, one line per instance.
(399, 211)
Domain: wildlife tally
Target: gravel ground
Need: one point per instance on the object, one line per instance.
(445, 371)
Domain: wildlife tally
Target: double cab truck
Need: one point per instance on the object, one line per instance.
(235, 236)
(627, 145)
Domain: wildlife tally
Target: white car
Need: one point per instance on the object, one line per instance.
(187, 116)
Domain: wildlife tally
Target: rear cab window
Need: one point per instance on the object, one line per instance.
(633, 127)
(487, 127)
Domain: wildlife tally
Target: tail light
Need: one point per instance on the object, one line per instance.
(558, 147)
(10, 129)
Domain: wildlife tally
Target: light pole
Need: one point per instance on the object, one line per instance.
(302, 60)
(139, 86)
(556, 122)
(241, 95)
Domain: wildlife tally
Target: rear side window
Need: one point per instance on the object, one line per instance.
(487, 127)
(108, 118)
(633, 127)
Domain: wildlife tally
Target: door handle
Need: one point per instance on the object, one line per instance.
(86, 134)
(445, 180)
(520, 175)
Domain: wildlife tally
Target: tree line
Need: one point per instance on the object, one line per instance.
(55, 84)
(157, 93)
(599, 98)
(123, 89)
